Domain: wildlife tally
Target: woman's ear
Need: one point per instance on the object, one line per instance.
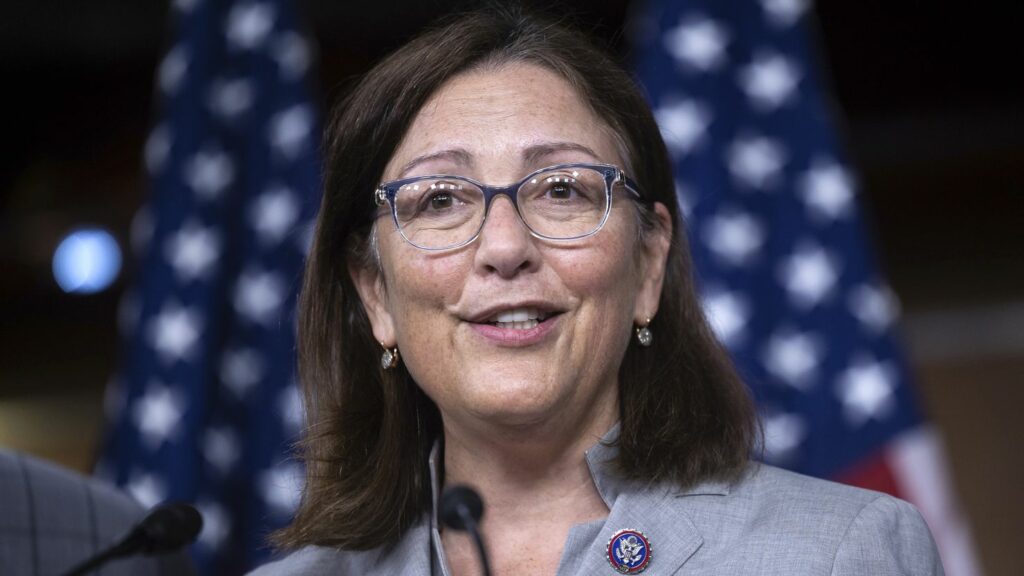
(369, 283)
(654, 250)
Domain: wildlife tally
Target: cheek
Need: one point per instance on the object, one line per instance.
(606, 271)
(605, 280)
(420, 289)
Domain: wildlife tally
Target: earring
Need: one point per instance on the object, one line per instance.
(643, 333)
(389, 359)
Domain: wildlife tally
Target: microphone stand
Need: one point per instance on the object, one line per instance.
(461, 509)
(100, 559)
(165, 529)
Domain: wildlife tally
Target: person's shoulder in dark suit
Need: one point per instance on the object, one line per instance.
(54, 518)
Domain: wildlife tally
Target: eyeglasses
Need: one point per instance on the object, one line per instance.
(563, 202)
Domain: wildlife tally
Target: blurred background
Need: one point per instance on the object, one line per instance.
(932, 121)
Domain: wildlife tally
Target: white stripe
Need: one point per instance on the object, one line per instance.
(919, 464)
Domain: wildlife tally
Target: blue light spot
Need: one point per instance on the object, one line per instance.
(86, 261)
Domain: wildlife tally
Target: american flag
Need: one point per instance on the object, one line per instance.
(204, 408)
(787, 275)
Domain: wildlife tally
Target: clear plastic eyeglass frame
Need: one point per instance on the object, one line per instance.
(386, 193)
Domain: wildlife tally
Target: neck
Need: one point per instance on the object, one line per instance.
(533, 480)
(527, 479)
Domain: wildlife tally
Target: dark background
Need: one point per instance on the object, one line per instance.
(931, 105)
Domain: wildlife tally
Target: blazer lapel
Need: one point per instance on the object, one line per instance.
(671, 536)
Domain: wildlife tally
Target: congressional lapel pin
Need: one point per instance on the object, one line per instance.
(629, 551)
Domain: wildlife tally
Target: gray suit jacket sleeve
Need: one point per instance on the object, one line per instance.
(888, 537)
(51, 519)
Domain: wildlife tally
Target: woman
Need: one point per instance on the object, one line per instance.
(499, 295)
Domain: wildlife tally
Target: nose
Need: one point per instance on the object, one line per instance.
(505, 246)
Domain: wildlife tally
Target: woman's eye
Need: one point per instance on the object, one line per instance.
(440, 201)
(560, 192)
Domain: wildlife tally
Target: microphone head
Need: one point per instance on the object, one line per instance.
(457, 503)
(169, 528)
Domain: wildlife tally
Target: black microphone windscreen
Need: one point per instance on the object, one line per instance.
(170, 527)
(455, 498)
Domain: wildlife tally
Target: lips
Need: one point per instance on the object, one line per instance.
(515, 316)
(517, 334)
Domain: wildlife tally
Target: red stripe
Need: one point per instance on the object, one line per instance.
(872, 473)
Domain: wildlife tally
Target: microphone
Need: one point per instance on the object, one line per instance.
(167, 528)
(462, 509)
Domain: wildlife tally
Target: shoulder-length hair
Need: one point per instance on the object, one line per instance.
(685, 416)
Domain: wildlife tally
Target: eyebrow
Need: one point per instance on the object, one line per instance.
(456, 155)
(532, 155)
(537, 152)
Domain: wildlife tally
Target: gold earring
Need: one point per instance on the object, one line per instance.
(389, 359)
(643, 333)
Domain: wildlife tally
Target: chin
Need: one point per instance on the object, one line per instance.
(519, 418)
(516, 402)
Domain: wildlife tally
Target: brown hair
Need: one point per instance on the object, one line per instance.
(685, 415)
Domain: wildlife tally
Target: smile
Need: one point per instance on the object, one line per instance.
(518, 319)
(516, 325)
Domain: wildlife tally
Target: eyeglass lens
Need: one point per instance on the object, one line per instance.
(561, 203)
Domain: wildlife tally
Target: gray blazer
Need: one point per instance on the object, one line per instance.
(772, 522)
(51, 519)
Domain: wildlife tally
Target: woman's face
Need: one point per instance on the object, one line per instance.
(441, 308)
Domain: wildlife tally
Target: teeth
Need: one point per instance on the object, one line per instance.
(525, 325)
(519, 315)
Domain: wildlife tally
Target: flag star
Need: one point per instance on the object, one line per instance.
(249, 23)
(292, 54)
(783, 434)
(258, 296)
(683, 125)
(290, 405)
(147, 489)
(172, 70)
(793, 357)
(866, 390)
(769, 81)
(192, 251)
(158, 148)
(728, 314)
(808, 275)
(209, 172)
(216, 524)
(281, 488)
(274, 213)
(827, 189)
(756, 161)
(221, 448)
(784, 12)
(229, 99)
(289, 130)
(697, 42)
(873, 306)
(174, 332)
(157, 414)
(734, 237)
(240, 370)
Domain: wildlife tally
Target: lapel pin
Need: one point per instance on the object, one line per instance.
(629, 551)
